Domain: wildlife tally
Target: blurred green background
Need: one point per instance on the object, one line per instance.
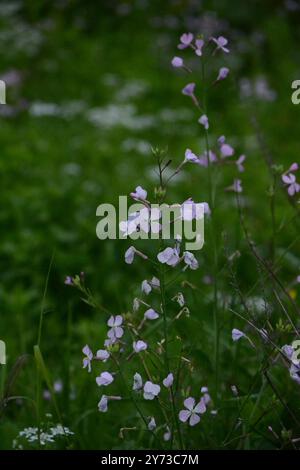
(90, 89)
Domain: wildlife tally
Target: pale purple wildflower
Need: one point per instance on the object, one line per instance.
(109, 342)
(192, 411)
(293, 167)
(189, 89)
(127, 227)
(240, 162)
(185, 40)
(167, 435)
(69, 281)
(102, 355)
(204, 121)
(137, 382)
(206, 396)
(191, 210)
(290, 181)
(226, 150)
(139, 346)
(102, 405)
(190, 260)
(168, 381)
(298, 279)
(169, 256)
(116, 331)
(177, 62)
(105, 378)
(140, 194)
(199, 45)
(129, 255)
(58, 386)
(87, 360)
(223, 72)
(151, 314)
(203, 160)
(152, 424)
(151, 390)
(294, 369)
(190, 156)
(146, 287)
(221, 42)
(237, 334)
(236, 187)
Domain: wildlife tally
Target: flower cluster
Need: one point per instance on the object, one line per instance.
(289, 180)
(42, 436)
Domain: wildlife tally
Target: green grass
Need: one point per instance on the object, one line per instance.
(55, 171)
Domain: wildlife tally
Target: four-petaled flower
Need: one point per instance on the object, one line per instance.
(192, 411)
(221, 42)
(116, 331)
(88, 357)
(151, 390)
(169, 256)
(190, 156)
(139, 346)
(199, 45)
(290, 181)
(140, 194)
(190, 260)
(185, 40)
(105, 378)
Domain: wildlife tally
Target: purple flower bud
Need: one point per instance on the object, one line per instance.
(168, 381)
(177, 62)
(189, 89)
(204, 121)
(102, 405)
(223, 72)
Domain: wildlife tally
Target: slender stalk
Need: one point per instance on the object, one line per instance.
(213, 239)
